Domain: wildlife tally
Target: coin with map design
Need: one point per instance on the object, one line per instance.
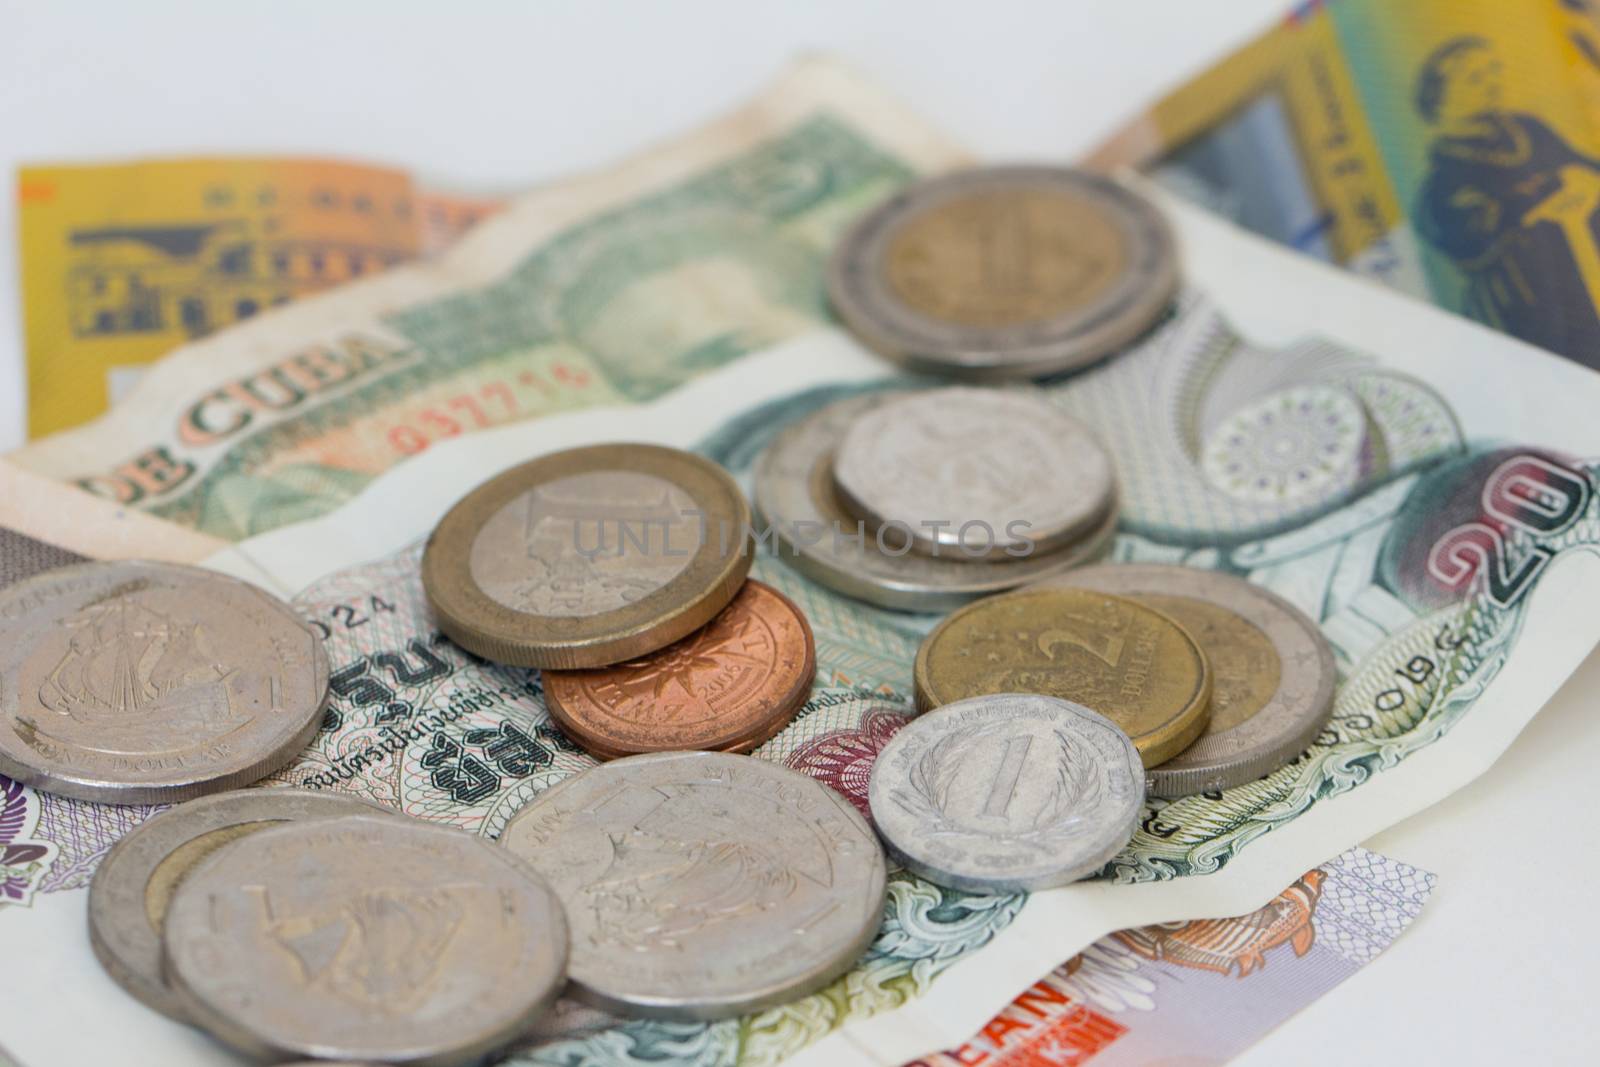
(728, 686)
(703, 885)
(138, 682)
(1124, 659)
(366, 937)
(1007, 792)
(588, 557)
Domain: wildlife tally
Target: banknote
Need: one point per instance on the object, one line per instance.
(123, 262)
(1288, 423)
(1202, 991)
(1449, 148)
(617, 286)
(58, 514)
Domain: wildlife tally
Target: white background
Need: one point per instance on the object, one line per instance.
(498, 96)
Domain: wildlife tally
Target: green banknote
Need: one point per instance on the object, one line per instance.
(614, 287)
(1340, 445)
(1450, 148)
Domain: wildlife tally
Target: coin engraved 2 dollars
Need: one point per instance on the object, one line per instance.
(703, 885)
(365, 938)
(1005, 272)
(588, 557)
(1123, 659)
(137, 682)
(1007, 792)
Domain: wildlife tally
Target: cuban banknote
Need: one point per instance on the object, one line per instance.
(123, 262)
(1449, 148)
(1349, 448)
(1204, 990)
(614, 287)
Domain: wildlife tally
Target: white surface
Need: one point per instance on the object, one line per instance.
(501, 95)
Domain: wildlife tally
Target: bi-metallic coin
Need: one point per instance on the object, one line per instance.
(1126, 660)
(975, 473)
(366, 937)
(138, 682)
(588, 557)
(135, 881)
(704, 885)
(730, 685)
(1005, 272)
(1007, 792)
(1273, 672)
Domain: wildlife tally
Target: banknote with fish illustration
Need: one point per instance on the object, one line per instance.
(1447, 147)
(123, 262)
(1288, 423)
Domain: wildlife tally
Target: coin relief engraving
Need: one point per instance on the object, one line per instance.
(586, 544)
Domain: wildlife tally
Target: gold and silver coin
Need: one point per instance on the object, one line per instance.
(1273, 672)
(703, 885)
(366, 937)
(1124, 659)
(975, 473)
(815, 533)
(588, 557)
(135, 881)
(1007, 792)
(1005, 272)
(136, 682)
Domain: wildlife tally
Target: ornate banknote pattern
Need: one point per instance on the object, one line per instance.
(1446, 147)
(1205, 990)
(613, 288)
(123, 262)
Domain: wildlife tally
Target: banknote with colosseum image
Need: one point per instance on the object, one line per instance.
(1443, 540)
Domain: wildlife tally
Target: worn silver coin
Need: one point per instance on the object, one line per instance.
(366, 937)
(1273, 671)
(974, 473)
(137, 682)
(135, 881)
(703, 885)
(815, 533)
(1005, 272)
(1007, 792)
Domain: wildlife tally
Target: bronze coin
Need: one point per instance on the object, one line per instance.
(729, 686)
(588, 557)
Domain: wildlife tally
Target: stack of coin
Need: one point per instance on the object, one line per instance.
(921, 501)
(621, 570)
(1216, 681)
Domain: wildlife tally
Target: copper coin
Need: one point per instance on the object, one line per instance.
(729, 686)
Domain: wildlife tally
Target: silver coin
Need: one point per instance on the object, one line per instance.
(973, 473)
(1005, 272)
(135, 881)
(1007, 792)
(1273, 671)
(139, 682)
(703, 885)
(815, 533)
(366, 937)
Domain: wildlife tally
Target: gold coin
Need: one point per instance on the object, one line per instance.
(588, 557)
(1245, 666)
(1126, 660)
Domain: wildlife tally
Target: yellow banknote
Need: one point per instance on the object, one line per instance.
(123, 262)
(1450, 148)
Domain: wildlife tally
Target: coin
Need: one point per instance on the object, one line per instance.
(1007, 792)
(365, 937)
(588, 557)
(1273, 671)
(703, 885)
(137, 682)
(1123, 659)
(132, 886)
(974, 473)
(1005, 272)
(815, 533)
(730, 685)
